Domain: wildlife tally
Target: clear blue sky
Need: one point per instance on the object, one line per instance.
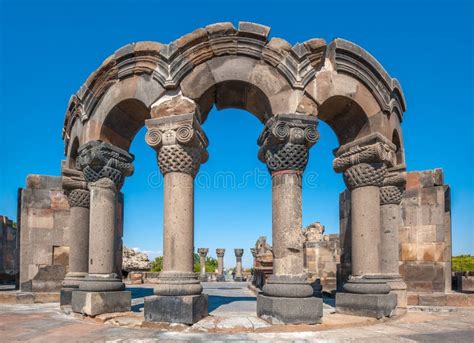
(49, 48)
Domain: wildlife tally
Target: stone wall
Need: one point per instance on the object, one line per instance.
(44, 252)
(9, 252)
(44, 241)
(425, 233)
(322, 259)
(425, 237)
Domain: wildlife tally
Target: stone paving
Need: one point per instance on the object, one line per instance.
(232, 317)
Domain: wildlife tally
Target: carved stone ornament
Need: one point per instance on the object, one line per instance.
(180, 142)
(374, 153)
(314, 232)
(261, 246)
(220, 252)
(75, 188)
(238, 252)
(203, 252)
(99, 160)
(285, 141)
(393, 188)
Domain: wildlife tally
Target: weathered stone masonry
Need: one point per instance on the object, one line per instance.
(171, 89)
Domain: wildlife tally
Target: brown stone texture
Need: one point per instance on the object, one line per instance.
(44, 241)
(9, 249)
(322, 259)
(425, 233)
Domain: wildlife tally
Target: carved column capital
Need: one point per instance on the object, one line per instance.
(220, 252)
(203, 252)
(285, 141)
(179, 141)
(238, 252)
(365, 165)
(99, 160)
(393, 187)
(75, 188)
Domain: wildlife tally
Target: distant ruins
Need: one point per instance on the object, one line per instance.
(395, 225)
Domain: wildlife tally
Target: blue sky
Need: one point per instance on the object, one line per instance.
(48, 49)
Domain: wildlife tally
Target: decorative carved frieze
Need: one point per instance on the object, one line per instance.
(179, 141)
(285, 141)
(99, 160)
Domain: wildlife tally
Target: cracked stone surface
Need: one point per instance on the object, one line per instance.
(232, 317)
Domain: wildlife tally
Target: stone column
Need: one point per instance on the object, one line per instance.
(238, 268)
(390, 217)
(202, 261)
(285, 142)
(181, 147)
(364, 164)
(220, 264)
(104, 167)
(78, 198)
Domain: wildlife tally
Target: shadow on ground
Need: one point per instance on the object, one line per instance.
(216, 301)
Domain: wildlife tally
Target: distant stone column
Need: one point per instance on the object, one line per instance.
(364, 164)
(181, 144)
(79, 202)
(238, 268)
(105, 167)
(220, 264)
(202, 261)
(390, 218)
(285, 143)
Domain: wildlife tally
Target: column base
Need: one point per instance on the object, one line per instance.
(281, 310)
(367, 305)
(185, 309)
(65, 296)
(220, 278)
(101, 283)
(203, 278)
(95, 303)
(238, 279)
(399, 288)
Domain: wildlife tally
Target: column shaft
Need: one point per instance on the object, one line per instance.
(178, 229)
(286, 223)
(390, 221)
(102, 228)
(79, 240)
(365, 220)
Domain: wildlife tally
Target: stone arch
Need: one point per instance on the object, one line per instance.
(399, 149)
(171, 88)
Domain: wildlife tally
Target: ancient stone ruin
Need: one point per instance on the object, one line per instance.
(170, 89)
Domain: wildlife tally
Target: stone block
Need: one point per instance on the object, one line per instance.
(65, 296)
(367, 305)
(280, 310)
(61, 256)
(187, 309)
(95, 303)
(432, 300)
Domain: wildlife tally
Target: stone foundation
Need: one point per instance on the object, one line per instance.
(369, 305)
(282, 310)
(187, 309)
(95, 303)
